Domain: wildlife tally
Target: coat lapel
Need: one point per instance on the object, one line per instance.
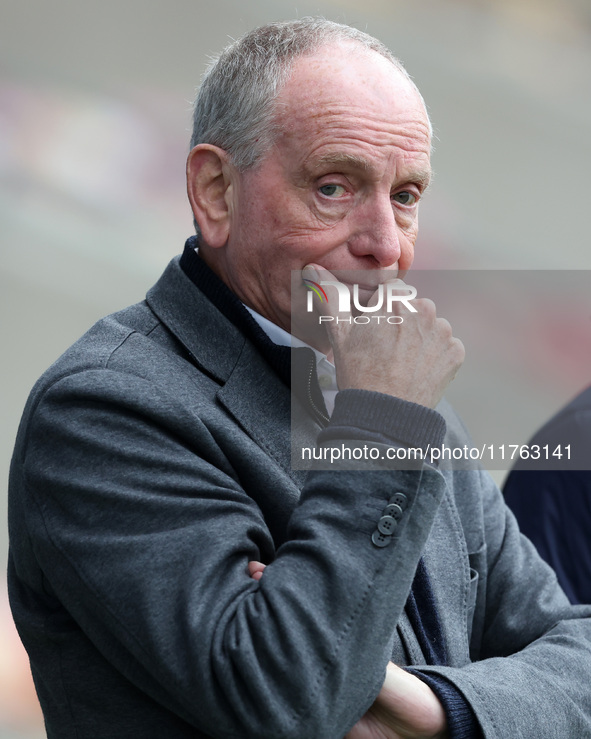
(249, 390)
(261, 403)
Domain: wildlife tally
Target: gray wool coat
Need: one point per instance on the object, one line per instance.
(153, 461)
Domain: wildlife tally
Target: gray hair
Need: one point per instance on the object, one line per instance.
(234, 108)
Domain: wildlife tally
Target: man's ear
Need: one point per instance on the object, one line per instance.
(209, 188)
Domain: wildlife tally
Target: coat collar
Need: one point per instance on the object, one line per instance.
(213, 342)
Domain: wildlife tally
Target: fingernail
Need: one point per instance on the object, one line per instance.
(309, 273)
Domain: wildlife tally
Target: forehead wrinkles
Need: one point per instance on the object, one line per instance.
(310, 133)
(358, 104)
(310, 116)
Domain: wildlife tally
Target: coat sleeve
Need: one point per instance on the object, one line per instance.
(529, 677)
(133, 510)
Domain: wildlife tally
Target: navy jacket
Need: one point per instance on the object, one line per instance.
(553, 506)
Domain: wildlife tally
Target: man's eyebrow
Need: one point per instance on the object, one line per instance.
(420, 177)
(340, 159)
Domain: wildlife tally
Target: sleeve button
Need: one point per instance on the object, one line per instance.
(380, 540)
(399, 499)
(393, 510)
(386, 525)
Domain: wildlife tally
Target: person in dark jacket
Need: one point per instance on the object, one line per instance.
(553, 506)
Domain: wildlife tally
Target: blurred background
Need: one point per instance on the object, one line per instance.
(94, 127)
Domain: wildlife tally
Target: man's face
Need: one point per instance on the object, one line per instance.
(341, 185)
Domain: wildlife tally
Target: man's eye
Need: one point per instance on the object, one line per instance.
(405, 198)
(332, 191)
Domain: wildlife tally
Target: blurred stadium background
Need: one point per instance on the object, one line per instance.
(94, 127)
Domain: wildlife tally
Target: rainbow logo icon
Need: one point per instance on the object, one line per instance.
(315, 287)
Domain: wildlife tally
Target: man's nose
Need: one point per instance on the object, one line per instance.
(376, 233)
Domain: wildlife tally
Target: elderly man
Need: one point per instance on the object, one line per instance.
(153, 470)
